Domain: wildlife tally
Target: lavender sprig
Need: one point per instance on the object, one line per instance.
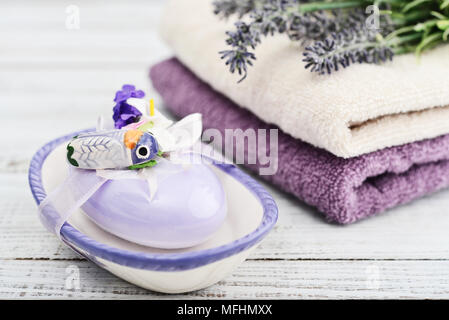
(334, 33)
(238, 58)
(227, 8)
(345, 48)
(268, 17)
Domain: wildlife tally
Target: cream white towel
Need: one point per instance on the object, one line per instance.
(354, 111)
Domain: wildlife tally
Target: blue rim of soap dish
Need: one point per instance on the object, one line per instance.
(158, 262)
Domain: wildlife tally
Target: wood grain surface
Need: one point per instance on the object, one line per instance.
(54, 81)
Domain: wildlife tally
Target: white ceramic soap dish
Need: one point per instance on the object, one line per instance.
(251, 213)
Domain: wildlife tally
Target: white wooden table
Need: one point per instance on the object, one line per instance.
(54, 80)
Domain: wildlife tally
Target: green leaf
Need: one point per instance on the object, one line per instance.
(425, 26)
(146, 126)
(443, 24)
(315, 6)
(446, 34)
(413, 4)
(427, 41)
(444, 5)
(438, 15)
(70, 151)
(150, 163)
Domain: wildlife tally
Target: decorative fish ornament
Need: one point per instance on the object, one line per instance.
(113, 149)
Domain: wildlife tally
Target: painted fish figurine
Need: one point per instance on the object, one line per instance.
(113, 149)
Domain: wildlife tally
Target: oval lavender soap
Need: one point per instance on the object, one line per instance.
(187, 208)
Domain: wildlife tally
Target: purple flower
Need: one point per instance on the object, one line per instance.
(125, 113)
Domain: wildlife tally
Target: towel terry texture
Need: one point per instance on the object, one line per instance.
(345, 190)
(357, 110)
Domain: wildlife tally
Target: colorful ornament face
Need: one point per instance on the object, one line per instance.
(190, 205)
(113, 149)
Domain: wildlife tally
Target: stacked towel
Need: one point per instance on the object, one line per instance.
(345, 190)
(353, 144)
(357, 110)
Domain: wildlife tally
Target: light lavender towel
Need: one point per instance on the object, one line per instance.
(345, 190)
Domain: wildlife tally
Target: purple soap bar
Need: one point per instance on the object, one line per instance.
(187, 208)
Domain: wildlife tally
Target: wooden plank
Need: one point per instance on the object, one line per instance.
(34, 93)
(94, 15)
(404, 233)
(56, 86)
(252, 280)
(82, 52)
(116, 35)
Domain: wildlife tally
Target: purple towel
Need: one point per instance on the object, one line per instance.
(345, 190)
